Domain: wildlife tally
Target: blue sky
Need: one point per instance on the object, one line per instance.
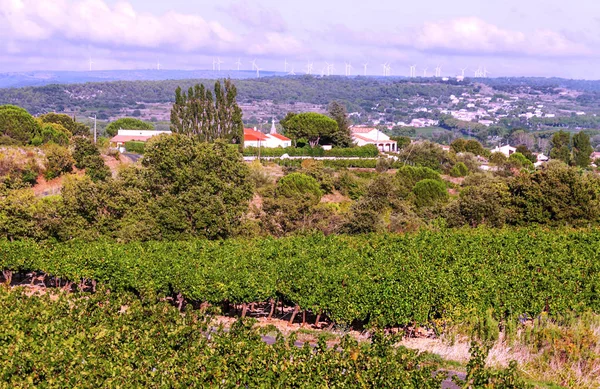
(508, 38)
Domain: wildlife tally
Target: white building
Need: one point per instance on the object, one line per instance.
(254, 138)
(118, 141)
(363, 136)
(506, 150)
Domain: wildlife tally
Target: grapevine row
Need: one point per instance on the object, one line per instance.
(380, 280)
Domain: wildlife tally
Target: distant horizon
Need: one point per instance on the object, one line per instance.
(225, 73)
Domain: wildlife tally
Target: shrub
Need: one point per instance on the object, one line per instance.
(96, 168)
(383, 165)
(69, 123)
(59, 162)
(52, 133)
(518, 160)
(299, 186)
(82, 147)
(459, 170)
(429, 192)
(410, 175)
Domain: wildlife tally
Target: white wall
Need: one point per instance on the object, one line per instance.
(142, 132)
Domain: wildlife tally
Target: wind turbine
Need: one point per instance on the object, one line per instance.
(253, 64)
(309, 68)
(158, 65)
(238, 63)
(258, 71)
(330, 69)
(219, 62)
(365, 68)
(91, 63)
(388, 70)
(348, 69)
(292, 73)
(463, 71)
(214, 64)
(413, 71)
(425, 72)
(438, 71)
(485, 72)
(384, 65)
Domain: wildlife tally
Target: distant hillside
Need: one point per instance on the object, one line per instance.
(42, 78)
(359, 93)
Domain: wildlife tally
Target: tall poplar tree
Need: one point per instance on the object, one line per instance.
(199, 113)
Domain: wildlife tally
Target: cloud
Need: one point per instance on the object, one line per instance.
(121, 27)
(255, 16)
(470, 36)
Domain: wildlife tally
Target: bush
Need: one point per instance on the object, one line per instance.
(135, 147)
(67, 122)
(59, 162)
(83, 147)
(518, 160)
(459, 170)
(429, 192)
(52, 133)
(383, 165)
(410, 175)
(95, 168)
(299, 186)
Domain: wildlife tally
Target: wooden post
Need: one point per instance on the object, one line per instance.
(296, 309)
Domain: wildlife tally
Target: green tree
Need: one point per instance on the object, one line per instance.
(51, 133)
(310, 125)
(459, 170)
(208, 117)
(429, 192)
(72, 125)
(582, 149)
(299, 187)
(17, 126)
(96, 168)
(82, 147)
(127, 124)
(518, 160)
(561, 142)
(342, 137)
(527, 153)
(59, 161)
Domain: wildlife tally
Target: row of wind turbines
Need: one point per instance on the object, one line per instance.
(329, 69)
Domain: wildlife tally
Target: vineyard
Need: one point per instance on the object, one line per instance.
(432, 277)
(115, 341)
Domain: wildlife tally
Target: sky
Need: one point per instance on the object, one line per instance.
(507, 38)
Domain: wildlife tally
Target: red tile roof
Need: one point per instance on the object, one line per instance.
(251, 135)
(280, 137)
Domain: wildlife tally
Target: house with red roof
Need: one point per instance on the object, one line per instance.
(255, 138)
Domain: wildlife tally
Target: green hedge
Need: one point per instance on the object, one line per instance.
(338, 163)
(381, 279)
(368, 151)
(135, 147)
